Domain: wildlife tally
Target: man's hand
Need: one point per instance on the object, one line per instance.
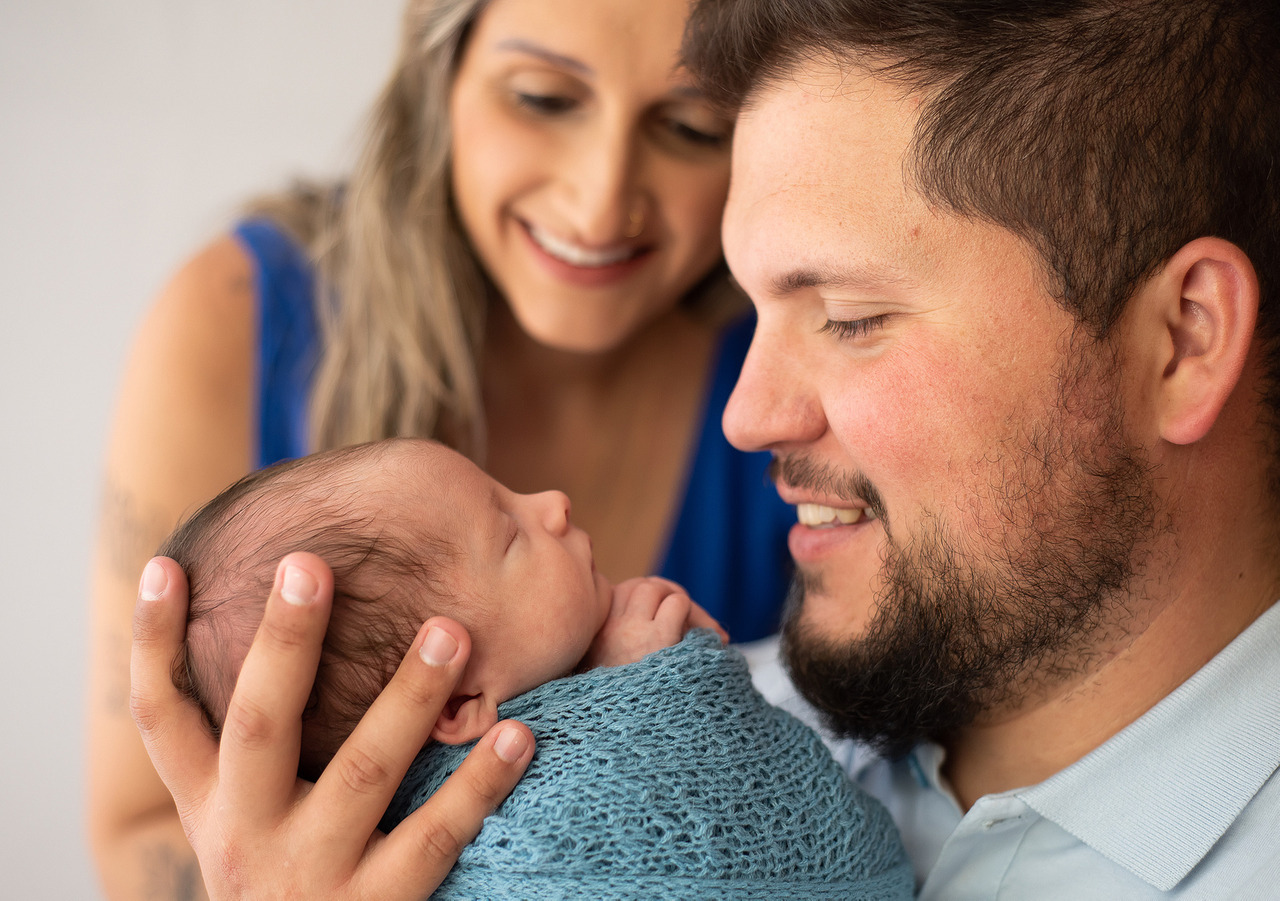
(648, 614)
(257, 829)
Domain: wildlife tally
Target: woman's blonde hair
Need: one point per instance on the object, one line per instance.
(401, 296)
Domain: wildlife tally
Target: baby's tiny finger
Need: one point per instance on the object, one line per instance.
(622, 593)
(647, 599)
(701, 619)
(667, 583)
(672, 616)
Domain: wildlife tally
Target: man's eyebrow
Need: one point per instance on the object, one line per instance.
(519, 45)
(859, 277)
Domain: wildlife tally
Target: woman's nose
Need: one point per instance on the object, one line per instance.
(774, 403)
(602, 178)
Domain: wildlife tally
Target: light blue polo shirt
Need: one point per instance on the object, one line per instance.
(1183, 804)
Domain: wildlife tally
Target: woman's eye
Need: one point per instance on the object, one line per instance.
(846, 329)
(544, 104)
(691, 135)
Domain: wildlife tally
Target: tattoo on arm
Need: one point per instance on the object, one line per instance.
(112, 690)
(128, 535)
(172, 874)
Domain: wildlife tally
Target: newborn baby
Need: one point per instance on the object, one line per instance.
(659, 771)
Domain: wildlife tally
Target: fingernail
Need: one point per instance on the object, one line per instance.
(299, 587)
(439, 647)
(510, 745)
(154, 582)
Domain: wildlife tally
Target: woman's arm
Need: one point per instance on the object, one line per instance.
(182, 432)
(258, 830)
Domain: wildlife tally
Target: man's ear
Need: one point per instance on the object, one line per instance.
(465, 718)
(1207, 296)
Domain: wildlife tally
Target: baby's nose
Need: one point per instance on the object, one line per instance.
(557, 507)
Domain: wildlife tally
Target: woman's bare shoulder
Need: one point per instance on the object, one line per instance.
(215, 281)
(183, 419)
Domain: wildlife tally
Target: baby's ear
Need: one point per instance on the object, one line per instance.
(465, 718)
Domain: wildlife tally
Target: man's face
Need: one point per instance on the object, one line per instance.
(969, 507)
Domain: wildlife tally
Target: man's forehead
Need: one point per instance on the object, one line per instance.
(819, 155)
(823, 111)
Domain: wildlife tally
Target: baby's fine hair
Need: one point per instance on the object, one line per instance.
(382, 569)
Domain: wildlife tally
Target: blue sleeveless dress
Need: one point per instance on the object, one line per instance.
(727, 545)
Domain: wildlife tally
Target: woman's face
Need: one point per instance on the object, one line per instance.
(589, 174)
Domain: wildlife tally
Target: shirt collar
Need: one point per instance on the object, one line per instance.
(1156, 797)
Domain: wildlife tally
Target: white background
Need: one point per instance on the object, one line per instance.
(129, 131)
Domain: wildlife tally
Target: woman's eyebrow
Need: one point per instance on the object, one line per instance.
(689, 92)
(519, 45)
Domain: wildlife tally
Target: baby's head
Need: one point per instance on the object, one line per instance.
(411, 530)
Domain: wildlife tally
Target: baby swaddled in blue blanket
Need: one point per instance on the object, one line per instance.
(669, 778)
(659, 772)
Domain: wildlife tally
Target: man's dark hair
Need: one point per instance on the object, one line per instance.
(229, 550)
(1105, 133)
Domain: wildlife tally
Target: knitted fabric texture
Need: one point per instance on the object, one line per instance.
(670, 778)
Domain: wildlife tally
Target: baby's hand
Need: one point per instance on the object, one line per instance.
(648, 614)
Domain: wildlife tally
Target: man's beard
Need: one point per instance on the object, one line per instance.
(961, 630)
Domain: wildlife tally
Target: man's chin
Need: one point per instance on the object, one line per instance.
(823, 605)
(866, 682)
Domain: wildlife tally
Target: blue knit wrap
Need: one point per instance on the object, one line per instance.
(669, 778)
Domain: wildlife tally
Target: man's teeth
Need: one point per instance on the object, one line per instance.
(576, 255)
(814, 515)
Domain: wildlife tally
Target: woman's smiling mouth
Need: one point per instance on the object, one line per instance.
(577, 255)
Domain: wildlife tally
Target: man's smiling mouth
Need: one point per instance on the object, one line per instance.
(819, 516)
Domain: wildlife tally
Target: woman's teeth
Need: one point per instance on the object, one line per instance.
(817, 515)
(576, 255)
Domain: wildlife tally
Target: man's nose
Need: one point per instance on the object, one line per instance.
(775, 403)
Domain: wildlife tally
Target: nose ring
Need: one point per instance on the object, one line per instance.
(635, 221)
